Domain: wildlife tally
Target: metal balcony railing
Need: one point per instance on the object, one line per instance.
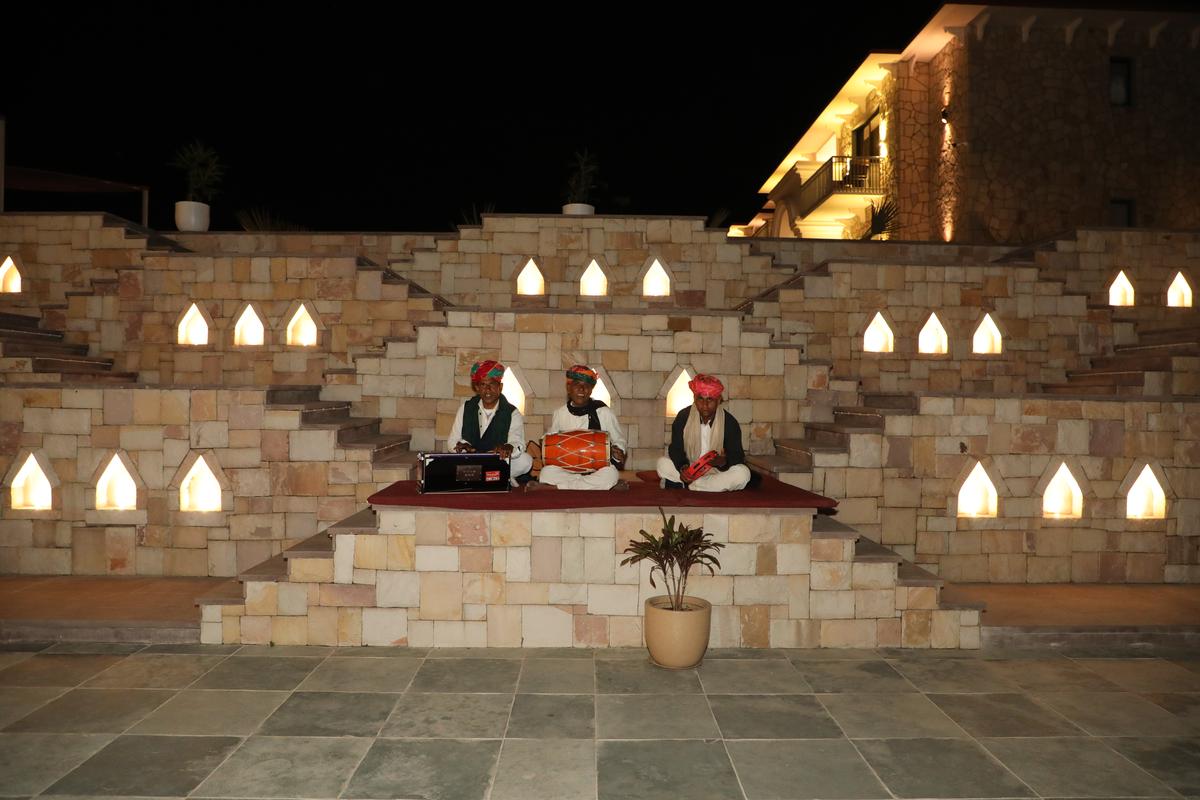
(841, 175)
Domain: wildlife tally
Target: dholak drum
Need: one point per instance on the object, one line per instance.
(576, 451)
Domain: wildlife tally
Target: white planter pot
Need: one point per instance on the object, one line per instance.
(191, 216)
(579, 210)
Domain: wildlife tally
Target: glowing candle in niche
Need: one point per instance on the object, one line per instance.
(987, 338)
(977, 497)
(116, 490)
(932, 339)
(679, 396)
(200, 490)
(10, 277)
(249, 329)
(593, 283)
(530, 281)
(1179, 295)
(31, 488)
(656, 283)
(878, 337)
(1121, 293)
(193, 328)
(1063, 498)
(302, 330)
(1146, 499)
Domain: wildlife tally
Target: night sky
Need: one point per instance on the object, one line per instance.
(395, 121)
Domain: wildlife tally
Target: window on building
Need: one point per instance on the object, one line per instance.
(1120, 81)
(867, 138)
(1120, 213)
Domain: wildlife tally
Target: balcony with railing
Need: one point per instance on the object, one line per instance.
(857, 175)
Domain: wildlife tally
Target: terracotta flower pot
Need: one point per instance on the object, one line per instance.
(677, 639)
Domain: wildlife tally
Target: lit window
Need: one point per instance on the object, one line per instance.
(10, 277)
(879, 338)
(1179, 295)
(656, 283)
(513, 391)
(1121, 291)
(977, 497)
(193, 328)
(530, 281)
(933, 339)
(116, 490)
(593, 283)
(987, 337)
(1146, 498)
(600, 392)
(1063, 498)
(200, 490)
(302, 330)
(249, 329)
(679, 396)
(31, 487)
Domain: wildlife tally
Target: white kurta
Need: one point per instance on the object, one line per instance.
(520, 462)
(731, 480)
(604, 478)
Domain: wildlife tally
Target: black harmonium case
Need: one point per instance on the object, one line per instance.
(462, 472)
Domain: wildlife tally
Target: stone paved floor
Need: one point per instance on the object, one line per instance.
(258, 722)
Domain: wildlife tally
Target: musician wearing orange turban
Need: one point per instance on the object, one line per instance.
(583, 413)
(489, 423)
(706, 452)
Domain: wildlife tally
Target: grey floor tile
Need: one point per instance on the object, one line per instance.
(931, 655)
(286, 767)
(1145, 675)
(24, 647)
(654, 716)
(56, 669)
(17, 701)
(883, 716)
(665, 770)
(1190, 662)
(148, 766)
(284, 651)
(193, 649)
(553, 716)
(753, 676)
(853, 676)
(1184, 706)
(1001, 715)
(939, 768)
(361, 675)
(1115, 714)
(954, 675)
(833, 654)
(546, 770)
(1074, 767)
(642, 677)
(490, 653)
(8, 659)
(30, 762)
(92, 711)
(96, 648)
(443, 715)
(154, 671)
(1175, 762)
(744, 653)
(803, 770)
(558, 676)
(621, 654)
(212, 712)
(381, 652)
(330, 714)
(1052, 675)
(438, 769)
(772, 717)
(484, 675)
(258, 672)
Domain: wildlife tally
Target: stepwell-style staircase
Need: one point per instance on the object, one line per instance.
(31, 354)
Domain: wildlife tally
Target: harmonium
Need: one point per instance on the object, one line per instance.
(462, 472)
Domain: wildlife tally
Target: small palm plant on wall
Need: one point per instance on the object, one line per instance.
(204, 171)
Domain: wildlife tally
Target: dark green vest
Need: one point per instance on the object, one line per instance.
(497, 432)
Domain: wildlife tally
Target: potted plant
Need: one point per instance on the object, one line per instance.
(676, 624)
(204, 171)
(580, 184)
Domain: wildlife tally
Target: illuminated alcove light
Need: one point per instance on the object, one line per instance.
(1063, 498)
(10, 276)
(513, 391)
(600, 392)
(656, 283)
(302, 330)
(193, 328)
(31, 488)
(977, 497)
(200, 490)
(933, 339)
(879, 337)
(249, 329)
(593, 282)
(1179, 294)
(530, 281)
(116, 491)
(1120, 293)
(1146, 499)
(679, 396)
(987, 337)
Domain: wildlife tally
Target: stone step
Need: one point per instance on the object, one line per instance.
(69, 363)
(802, 451)
(1107, 377)
(835, 433)
(1189, 334)
(293, 395)
(55, 347)
(324, 411)
(396, 458)
(1156, 359)
(273, 569)
(826, 527)
(776, 465)
(1173, 348)
(319, 545)
(882, 400)
(1075, 390)
(872, 552)
(910, 574)
(380, 444)
(9, 319)
(229, 593)
(11, 333)
(364, 521)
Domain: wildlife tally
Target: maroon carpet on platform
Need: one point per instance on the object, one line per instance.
(768, 494)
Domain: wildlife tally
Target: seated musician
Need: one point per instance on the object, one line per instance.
(705, 434)
(582, 413)
(488, 423)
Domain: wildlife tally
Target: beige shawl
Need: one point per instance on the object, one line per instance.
(691, 434)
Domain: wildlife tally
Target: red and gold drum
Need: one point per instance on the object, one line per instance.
(576, 451)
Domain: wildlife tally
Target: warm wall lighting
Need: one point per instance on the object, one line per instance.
(883, 137)
(933, 339)
(987, 337)
(656, 283)
(600, 392)
(200, 490)
(302, 330)
(1179, 295)
(10, 277)
(1121, 291)
(593, 283)
(31, 488)
(1063, 498)
(945, 115)
(679, 396)
(249, 329)
(193, 328)
(116, 490)
(977, 497)
(879, 338)
(530, 281)
(513, 391)
(1146, 499)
